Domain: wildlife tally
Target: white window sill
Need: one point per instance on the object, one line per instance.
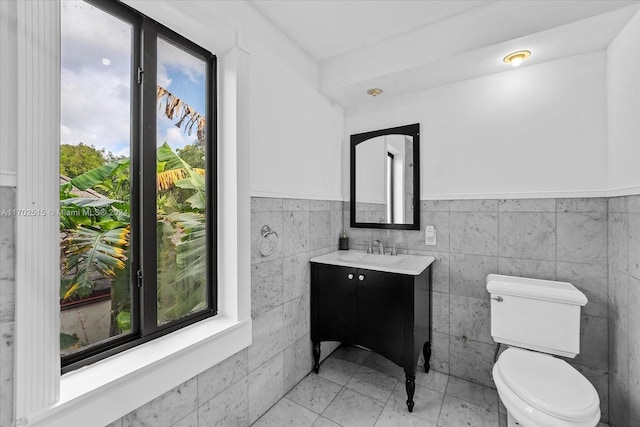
(107, 390)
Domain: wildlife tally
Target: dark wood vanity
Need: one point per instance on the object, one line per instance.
(386, 312)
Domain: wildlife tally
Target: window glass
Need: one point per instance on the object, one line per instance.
(137, 181)
(181, 171)
(95, 225)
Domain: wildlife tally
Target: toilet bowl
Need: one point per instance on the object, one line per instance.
(538, 320)
(540, 390)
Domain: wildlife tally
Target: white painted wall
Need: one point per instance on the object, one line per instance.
(296, 135)
(371, 170)
(623, 84)
(8, 88)
(295, 132)
(534, 131)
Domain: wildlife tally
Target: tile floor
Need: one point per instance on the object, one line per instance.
(358, 388)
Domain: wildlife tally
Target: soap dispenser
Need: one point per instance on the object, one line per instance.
(343, 241)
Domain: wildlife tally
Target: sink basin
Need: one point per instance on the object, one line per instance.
(401, 264)
(370, 259)
(351, 256)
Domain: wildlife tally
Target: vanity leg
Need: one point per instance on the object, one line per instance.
(426, 352)
(411, 387)
(316, 357)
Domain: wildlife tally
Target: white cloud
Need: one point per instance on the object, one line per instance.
(95, 97)
(90, 35)
(95, 110)
(172, 56)
(176, 138)
(96, 79)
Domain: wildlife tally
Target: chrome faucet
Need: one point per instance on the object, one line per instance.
(395, 248)
(380, 244)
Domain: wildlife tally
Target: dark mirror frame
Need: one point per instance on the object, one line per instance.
(412, 130)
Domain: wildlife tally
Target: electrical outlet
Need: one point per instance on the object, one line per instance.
(430, 235)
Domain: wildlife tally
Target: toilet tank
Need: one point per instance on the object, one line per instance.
(540, 315)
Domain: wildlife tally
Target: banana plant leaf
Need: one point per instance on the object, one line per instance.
(168, 160)
(123, 321)
(195, 182)
(191, 252)
(98, 175)
(87, 250)
(102, 207)
(78, 211)
(184, 288)
(171, 160)
(65, 191)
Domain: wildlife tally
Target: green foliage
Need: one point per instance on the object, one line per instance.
(123, 320)
(97, 235)
(89, 250)
(69, 342)
(182, 266)
(78, 159)
(111, 179)
(193, 154)
(190, 250)
(170, 161)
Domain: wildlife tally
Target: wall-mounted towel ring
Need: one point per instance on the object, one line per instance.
(267, 244)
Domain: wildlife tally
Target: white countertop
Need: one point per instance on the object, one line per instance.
(412, 265)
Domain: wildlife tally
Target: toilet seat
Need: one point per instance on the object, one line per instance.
(539, 386)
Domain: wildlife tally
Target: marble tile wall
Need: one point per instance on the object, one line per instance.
(624, 316)
(239, 390)
(371, 212)
(7, 304)
(563, 239)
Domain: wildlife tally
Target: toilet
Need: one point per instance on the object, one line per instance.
(537, 320)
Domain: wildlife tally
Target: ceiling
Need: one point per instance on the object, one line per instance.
(404, 46)
(331, 27)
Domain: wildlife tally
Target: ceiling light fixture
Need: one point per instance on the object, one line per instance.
(374, 91)
(516, 58)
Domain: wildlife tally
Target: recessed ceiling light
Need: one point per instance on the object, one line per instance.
(374, 91)
(516, 58)
(106, 61)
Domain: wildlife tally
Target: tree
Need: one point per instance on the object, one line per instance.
(193, 154)
(78, 159)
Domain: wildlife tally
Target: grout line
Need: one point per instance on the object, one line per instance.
(444, 396)
(449, 293)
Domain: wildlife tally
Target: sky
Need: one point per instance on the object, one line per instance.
(96, 81)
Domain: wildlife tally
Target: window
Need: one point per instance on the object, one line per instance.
(137, 181)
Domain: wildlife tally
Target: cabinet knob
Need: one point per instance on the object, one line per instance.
(361, 277)
(350, 276)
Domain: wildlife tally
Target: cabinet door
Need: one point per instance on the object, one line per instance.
(381, 313)
(337, 293)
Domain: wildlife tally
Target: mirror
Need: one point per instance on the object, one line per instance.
(385, 178)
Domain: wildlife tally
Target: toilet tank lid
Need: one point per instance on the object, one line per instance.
(547, 290)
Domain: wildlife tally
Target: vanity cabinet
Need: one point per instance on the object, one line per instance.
(388, 313)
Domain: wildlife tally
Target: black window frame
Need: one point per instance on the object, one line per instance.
(143, 242)
(391, 177)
